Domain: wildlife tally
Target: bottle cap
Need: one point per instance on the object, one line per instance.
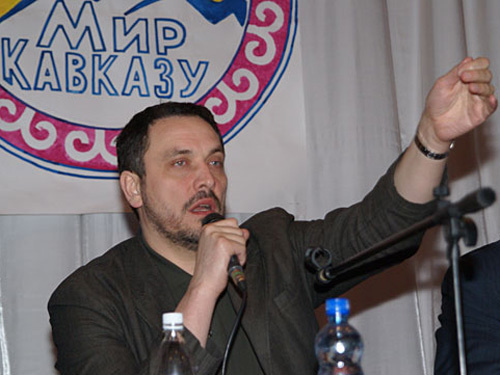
(337, 305)
(172, 319)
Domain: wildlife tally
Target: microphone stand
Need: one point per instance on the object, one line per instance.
(451, 216)
(453, 252)
(457, 227)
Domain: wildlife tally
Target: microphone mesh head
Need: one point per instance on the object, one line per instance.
(212, 218)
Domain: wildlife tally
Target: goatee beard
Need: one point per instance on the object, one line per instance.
(187, 239)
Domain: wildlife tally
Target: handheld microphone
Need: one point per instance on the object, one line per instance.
(234, 269)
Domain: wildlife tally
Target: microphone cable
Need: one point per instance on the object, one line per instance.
(238, 277)
(234, 330)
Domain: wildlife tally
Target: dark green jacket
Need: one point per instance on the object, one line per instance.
(106, 316)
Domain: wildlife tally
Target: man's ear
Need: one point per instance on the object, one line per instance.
(130, 184)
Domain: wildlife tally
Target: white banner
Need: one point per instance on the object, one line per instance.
(74, 72)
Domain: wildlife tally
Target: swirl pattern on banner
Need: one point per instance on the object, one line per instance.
(79, 150)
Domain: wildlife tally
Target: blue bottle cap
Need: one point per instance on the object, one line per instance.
(337, 305)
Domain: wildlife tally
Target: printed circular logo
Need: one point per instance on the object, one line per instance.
(73, 72)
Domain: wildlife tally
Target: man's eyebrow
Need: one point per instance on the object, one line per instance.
(178, 151)
(184, 151)
(217, 149)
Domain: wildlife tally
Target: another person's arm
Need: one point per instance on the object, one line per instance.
(480, 295)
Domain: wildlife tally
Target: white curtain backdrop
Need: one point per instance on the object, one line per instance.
(366, 68)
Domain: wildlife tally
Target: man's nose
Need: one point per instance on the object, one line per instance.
(204, 177)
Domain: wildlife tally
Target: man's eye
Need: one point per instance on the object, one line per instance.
(180, 163)
(216, 163)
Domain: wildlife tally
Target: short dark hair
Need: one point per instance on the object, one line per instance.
(133, 141)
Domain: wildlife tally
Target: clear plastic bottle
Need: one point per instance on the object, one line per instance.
(338, 345)
(173, 358)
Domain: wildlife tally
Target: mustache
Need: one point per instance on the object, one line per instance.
(202, 195)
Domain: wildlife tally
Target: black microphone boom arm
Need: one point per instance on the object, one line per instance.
(472, 202)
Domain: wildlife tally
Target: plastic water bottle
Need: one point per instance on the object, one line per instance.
(173, 358)
(338, 345)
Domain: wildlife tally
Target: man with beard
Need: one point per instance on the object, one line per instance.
(106, 316)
